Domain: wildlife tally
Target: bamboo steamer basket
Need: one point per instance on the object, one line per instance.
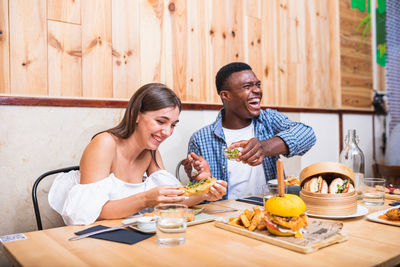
(328, 204)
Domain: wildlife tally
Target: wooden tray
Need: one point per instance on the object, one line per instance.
(317, 236)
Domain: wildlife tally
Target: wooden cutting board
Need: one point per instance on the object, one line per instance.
(325, 233)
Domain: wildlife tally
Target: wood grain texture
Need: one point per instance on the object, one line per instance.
(177, 13)
(28, 47)
(254, 45)
(126, 48)
(151, 40)
(226, 248)
(104, 103)
(64, 59)
(198, 81)
(96, 49)
(4, 49)
(64, 10)
(305, 52)
(355, 60)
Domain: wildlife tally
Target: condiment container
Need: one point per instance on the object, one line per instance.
(147, 223)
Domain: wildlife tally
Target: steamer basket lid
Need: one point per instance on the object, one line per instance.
(324, 168)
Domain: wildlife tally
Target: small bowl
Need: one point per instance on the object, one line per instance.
(147, 223)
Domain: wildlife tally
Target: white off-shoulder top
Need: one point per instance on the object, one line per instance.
(82, 203)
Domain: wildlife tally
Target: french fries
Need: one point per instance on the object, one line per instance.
(249, 220)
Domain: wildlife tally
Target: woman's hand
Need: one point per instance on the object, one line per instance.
(164, 194)
(200, 165)
(217, 191)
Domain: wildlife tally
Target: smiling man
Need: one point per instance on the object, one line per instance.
(262, 135)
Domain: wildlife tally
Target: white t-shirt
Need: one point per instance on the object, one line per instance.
(244, 180)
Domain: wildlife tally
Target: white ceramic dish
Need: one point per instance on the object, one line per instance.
(374, 217)
(147, 223)
(198, 219)
(361, 211)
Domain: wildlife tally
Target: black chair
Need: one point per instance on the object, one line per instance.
(34, 191)
(183, 179)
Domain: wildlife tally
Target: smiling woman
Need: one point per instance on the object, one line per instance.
(110, 182)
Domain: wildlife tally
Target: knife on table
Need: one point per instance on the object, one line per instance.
(219, 211)
(103, 231)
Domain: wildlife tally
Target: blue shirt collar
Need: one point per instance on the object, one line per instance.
(217, 125)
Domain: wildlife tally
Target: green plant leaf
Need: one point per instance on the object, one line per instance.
(364, 33)
(365, 20)
(359, 4)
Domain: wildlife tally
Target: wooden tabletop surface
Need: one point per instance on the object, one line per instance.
(368, 244)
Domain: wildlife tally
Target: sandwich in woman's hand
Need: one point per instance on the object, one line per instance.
(285, 215)
(199, 188)
(316, 185)
(338, 186)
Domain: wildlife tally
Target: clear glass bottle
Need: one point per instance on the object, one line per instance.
(353, 157)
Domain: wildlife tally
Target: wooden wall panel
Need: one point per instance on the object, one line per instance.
(64, 59)
(177, 11)
(97, 49)
(4, 49)
(305, 52)
(334, 53)
(269, 80)
(126, 48)
(236, 34)
(254, 45)
(28, 47)
(151, 40)
(198, 82)
(64, 10)
(219, 44)
(356, 67)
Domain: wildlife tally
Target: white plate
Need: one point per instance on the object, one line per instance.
(361, 211)
(199, 218)
(374, 217)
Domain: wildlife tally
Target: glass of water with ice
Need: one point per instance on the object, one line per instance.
(171, 224)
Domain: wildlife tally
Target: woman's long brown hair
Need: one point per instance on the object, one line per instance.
(149, 97)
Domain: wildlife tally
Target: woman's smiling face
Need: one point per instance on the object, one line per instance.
(153, 127)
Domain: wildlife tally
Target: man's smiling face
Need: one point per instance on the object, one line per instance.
(242, 95)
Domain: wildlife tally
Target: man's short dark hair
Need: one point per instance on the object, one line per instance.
(226, 71)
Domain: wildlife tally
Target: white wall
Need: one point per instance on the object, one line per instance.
(34, 140)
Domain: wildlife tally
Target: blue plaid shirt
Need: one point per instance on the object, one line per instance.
(209, 141)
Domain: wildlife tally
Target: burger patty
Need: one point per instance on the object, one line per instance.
(293, 223)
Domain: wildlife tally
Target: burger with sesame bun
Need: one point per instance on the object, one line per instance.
(285, 215)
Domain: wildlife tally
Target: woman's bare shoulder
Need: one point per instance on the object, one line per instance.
(105, 140)
(97, 158)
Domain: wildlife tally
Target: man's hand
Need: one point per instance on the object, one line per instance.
(254, 151)
(199, 164)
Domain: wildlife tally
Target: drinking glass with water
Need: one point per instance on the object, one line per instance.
(171, 224)
(373, 191)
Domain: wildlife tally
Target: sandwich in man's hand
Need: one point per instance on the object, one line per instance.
(316, 185)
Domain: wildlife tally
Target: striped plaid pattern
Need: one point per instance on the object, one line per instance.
(209, 141)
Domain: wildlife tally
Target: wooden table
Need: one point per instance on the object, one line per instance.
(368, 244)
